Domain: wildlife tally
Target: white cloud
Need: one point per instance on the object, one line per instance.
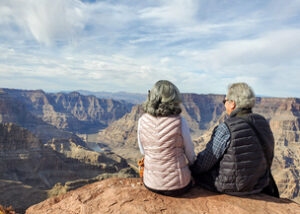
(80, 71)
(201, 46)
(46, 20)
(271, 49)
(266, 62)
(178, 12)
(165, 60)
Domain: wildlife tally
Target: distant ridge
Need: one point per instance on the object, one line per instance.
(134, 98)
(68, 111)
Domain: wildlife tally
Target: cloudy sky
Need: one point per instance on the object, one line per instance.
(127, 45)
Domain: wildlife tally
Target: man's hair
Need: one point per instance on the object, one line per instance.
(242, 94)
(163, 100)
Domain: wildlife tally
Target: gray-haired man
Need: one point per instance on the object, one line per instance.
(238, 157)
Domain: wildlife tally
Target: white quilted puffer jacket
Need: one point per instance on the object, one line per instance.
(166, 167)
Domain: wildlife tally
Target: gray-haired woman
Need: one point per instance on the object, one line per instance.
(164, 140)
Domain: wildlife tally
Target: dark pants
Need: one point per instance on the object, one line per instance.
(206, 181)
(172, 193)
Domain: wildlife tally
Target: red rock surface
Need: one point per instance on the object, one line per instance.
(117, 195)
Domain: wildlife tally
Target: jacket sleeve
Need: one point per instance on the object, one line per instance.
(187, 142)
(138, 139)
(214, 150)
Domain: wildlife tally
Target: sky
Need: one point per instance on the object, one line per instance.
(201, 46)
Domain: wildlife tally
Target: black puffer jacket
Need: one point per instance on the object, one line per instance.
(243, 169)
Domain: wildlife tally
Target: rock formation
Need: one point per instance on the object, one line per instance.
(72, 112)
(201, 111)
(134, 98)
(30, 168)
(14, 111)
(284, 117)
(130, 196)
(39, 158)
(40, 153)
(121, 135)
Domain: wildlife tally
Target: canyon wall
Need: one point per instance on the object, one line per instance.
(41, 153)
(71, 112)
(40, 158)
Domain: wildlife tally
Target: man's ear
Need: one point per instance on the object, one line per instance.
(232, 105)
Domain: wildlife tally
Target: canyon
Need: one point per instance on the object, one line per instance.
(71, 112)
(36, 170)
(41, 158)
(51, 143)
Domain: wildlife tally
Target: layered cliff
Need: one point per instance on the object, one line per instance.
(15, 111)
(121, 136)
(55, 155)
(134, 98)
(130, 196)
(284, 117)
(30, 168)
(72, 112)
(201, 111)
(38, 152)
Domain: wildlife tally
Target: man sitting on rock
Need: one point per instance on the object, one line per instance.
(238, 157)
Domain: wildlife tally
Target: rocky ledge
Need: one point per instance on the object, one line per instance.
(128, 195)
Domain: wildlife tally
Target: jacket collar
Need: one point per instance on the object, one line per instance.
(240, 112)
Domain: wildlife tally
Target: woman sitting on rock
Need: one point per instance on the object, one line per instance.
(165, 142)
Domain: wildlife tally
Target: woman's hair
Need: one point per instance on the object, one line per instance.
(163, 100)
(242, 94)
